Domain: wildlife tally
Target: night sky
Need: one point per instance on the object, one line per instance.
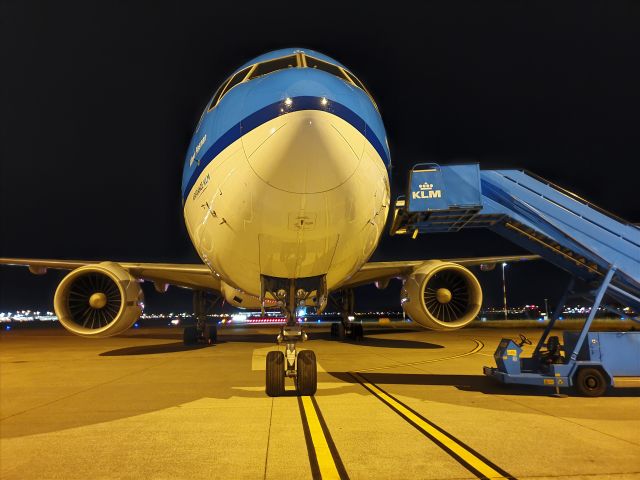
(99, 101)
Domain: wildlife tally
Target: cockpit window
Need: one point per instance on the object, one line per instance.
(236, 79)
(355, 80)
(274, 65)
(283, 63)
(326, 67)
(216, 96)
(360, 85)
(225, 87)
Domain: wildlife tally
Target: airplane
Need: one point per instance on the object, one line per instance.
(285, 191)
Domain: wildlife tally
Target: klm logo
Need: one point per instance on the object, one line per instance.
(426, 191)
(429, 194)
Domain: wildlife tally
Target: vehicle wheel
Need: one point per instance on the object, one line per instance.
(358, 331)
(190, 335)
(307, 373)
(591, 382)
(341, 333)
(211, 334)
(275, 374)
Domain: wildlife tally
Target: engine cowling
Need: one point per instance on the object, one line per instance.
(441, 296)
(98, 301)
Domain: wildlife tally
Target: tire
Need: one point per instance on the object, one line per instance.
(275, 374)
(340, 330)
(307, 373)
(190, 335)
(211, 334)
(591, 382)
(358, 331)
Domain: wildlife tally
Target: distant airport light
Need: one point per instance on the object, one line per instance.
(504, 264)
(324, 102)
(239, 317)
(288, 102)
(265, 320)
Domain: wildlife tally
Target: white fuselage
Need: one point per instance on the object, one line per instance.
(302, 195)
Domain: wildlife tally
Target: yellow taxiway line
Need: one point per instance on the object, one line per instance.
(323, 455)
(467, 457)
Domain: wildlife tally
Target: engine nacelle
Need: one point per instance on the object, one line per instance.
(98, 300)
(441, 296)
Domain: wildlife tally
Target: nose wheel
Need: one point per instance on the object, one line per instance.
(306, 373)
(275, 374)
(301, 366)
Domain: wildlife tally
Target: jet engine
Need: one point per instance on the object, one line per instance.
(441, 296)
(98, 301)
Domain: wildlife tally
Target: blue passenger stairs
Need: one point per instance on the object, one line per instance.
(591, 244)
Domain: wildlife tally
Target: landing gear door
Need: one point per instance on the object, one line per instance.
(297, 258)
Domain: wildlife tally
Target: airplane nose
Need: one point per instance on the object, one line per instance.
(304, 152)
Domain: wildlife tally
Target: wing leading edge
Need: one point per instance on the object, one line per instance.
(183, 275)
(380, 271)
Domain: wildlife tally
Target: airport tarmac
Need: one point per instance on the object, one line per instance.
(399, 404)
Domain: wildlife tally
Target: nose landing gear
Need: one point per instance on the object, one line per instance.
(300, 365)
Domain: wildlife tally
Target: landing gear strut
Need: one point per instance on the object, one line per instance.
(344, 301)
(201, 332)
(300, 365)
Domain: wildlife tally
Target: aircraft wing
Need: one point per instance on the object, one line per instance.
(199, 275)
(380, 271)
(182, 275)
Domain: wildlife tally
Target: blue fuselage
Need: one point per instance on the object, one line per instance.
(286, 173)
(252, 103)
